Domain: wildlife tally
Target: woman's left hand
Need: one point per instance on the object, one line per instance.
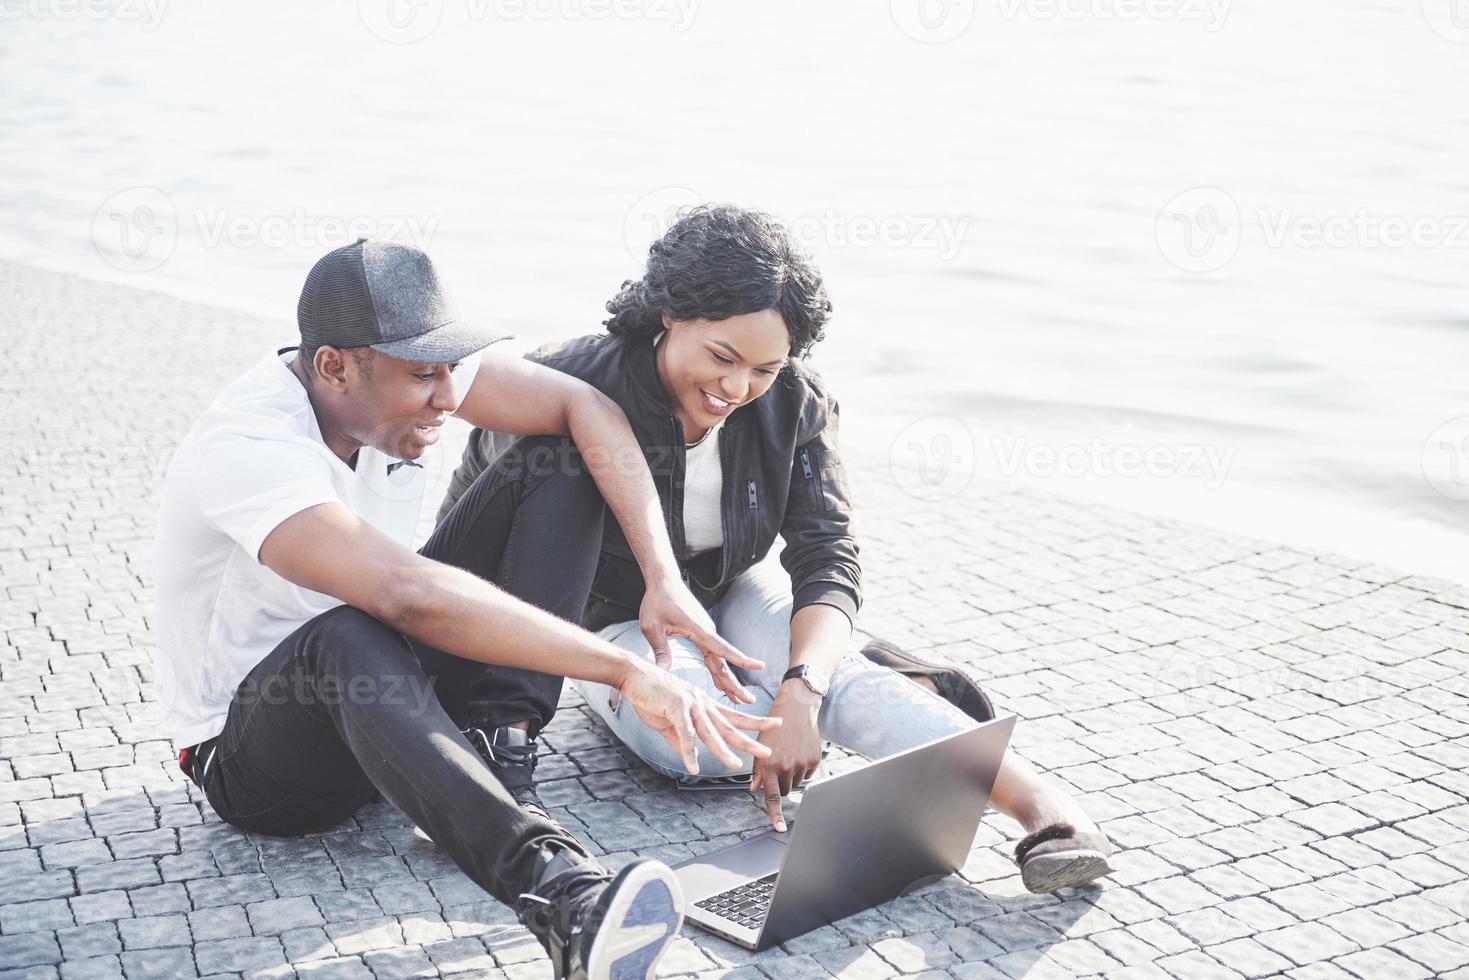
(671, 610)
(795, 749)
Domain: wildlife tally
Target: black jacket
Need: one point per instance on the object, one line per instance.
(782, 475)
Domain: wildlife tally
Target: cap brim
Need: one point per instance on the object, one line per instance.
(444, 344)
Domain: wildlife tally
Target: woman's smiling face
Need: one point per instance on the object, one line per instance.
(709, 368)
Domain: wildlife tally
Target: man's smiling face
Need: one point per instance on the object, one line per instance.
(395, 406)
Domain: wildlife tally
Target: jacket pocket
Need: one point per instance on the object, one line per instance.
(832, 475)
(806, 494)
(820, 482)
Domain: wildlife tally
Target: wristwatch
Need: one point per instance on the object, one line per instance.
(812, 678)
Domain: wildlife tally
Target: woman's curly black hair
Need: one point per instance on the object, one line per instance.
(719, 261)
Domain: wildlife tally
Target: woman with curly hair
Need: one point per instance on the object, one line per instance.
(706, 354)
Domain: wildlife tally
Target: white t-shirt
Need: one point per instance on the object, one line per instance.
(703, 489)
(252, 460)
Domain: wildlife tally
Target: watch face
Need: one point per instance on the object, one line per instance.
(817, 682)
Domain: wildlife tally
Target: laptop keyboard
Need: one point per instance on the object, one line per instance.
(745, 905)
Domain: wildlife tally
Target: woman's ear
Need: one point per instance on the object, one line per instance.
(668, 322)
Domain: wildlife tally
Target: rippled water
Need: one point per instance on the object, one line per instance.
(1020, 289)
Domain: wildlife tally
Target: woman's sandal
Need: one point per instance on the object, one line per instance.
(1059, 857)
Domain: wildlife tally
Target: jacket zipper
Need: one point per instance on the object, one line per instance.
(806, 470)
(674, 494)
(723, 504)
(754, 516)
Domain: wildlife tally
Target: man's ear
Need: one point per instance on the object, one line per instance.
(331, 367)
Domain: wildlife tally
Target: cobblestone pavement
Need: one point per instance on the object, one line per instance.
(1275, 737)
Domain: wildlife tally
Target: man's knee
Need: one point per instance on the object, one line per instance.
(346, 637)
(539, 458)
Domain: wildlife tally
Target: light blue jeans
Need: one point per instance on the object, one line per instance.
(869, 709)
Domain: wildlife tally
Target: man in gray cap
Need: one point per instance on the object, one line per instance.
(308, 660)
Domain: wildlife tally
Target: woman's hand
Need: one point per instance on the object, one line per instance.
(670, 609)
(795, 748)
(685, 716)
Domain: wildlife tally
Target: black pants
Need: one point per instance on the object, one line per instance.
(346, 707)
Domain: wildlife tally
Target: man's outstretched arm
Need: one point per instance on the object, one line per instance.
(518, 397)
(328, 549)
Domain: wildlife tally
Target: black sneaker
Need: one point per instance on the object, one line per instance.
(511, 754)
(954, 686)
(598, 927)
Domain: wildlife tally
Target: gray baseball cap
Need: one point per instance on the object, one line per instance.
(385, 296)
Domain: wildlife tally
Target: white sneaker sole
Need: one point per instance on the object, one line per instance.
(643, 917)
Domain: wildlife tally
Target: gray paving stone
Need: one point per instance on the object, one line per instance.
(459, 956)
(92, 968)
(28, 949)
(345, 968)
(1373, 964)
(306, 944)
(1307, 942)
(159, 899)
(350, 906)
(238, 955)
(159, 964)
(41, 916)
(94, 940)
(407, 963)
(218, 922)
(229, 890)
(100, 907)
(34, 887)
(136, 873)
(153, 931)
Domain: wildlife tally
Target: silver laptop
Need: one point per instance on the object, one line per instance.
(858, 839)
